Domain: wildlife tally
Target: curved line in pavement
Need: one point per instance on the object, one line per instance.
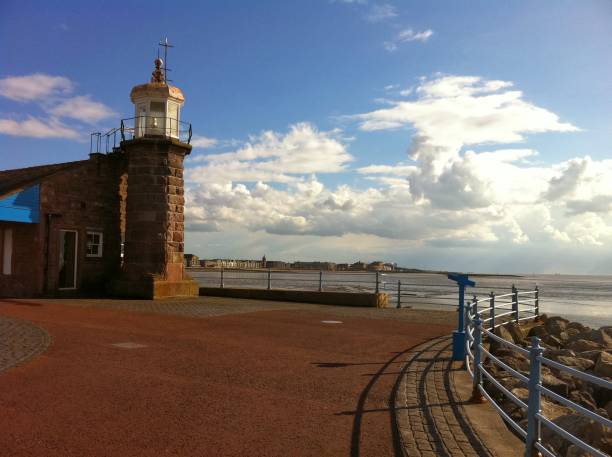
(356, 433)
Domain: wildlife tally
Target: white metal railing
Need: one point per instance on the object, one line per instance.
(479, 327)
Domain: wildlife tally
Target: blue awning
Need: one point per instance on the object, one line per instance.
(22, 206)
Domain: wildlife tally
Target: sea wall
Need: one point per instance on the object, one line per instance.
(372, 300)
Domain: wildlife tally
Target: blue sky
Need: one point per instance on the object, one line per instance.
(329, 75)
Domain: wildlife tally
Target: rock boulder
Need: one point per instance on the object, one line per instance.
(515, 331)
(555, 384)
(556, 324)
(586, 429)
(537, 330)
(582, 345)
(603, 367)
(576, 362)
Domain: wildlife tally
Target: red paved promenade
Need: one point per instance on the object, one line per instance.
(271, 383)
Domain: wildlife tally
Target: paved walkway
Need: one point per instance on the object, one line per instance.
(251, 378)
(20, 341)
(221, 306)
(430, 418)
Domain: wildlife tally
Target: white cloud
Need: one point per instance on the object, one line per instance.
(597, 204)
(405, 36)
(469, 110)
(34, 87)
(445, 197)
(410, 35)
(275, 157)
(568, 180)
(52, 94)
(203, 142)
(37, 128)
(82, 108)
(381, 12)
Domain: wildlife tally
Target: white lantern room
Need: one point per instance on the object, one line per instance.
(157, 107)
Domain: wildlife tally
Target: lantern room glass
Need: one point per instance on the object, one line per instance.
(157, 118)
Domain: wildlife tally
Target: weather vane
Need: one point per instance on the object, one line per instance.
(165, 45)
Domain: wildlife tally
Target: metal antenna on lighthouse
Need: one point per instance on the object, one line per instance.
(166, 45)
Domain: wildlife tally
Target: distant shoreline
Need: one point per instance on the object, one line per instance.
(403, 270)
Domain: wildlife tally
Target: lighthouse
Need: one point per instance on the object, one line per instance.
(155, 143)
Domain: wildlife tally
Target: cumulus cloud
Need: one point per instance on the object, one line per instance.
(308, 208)
(568, 180)
(82, 108)
(469, 110)
(203, 142)
(597, 204)
(37, 128)
(34, 87)
(53, 96)
(275, 157)
(444, 195)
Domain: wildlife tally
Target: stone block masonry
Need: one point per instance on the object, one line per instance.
(155, 222)
(84, 196)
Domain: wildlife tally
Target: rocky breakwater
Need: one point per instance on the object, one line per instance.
(574, 345)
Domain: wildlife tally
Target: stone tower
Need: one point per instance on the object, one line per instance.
(155, 148)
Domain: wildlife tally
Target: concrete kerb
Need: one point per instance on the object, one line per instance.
(486, 422)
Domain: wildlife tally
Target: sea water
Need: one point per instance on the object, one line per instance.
(586, 299)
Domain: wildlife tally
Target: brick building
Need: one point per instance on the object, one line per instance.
(110, 224)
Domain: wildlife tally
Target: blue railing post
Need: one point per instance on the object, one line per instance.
(515, 303)
(477, 396)
(269, 279)
(320, 280)
(533, 401)
(459, 334)
(399, 294)
(492, 310)
(467, 323)
(537, 301)
(467, 311)
(221, 284)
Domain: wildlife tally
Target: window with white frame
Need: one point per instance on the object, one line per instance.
(95, 241)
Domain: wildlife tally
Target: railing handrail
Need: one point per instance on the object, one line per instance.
(183, 131)
(168, 129)
(476, 330)
(401, 293)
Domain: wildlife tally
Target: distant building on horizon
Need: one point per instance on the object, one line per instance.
(277, 265)
(192, 260)
(327, 266)
(380, 266)
(244, 264)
